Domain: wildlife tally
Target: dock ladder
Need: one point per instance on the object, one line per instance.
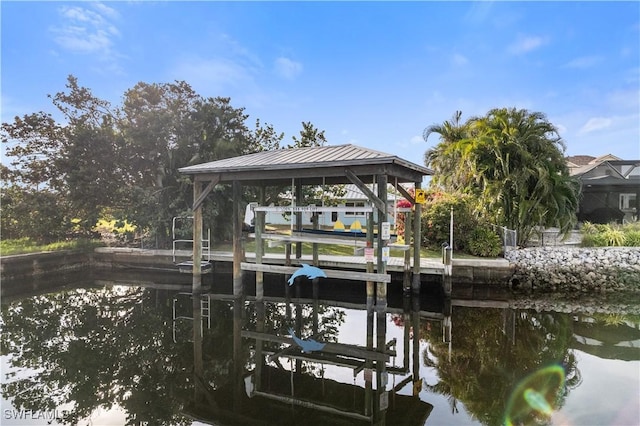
(205, 308)
(206, 242)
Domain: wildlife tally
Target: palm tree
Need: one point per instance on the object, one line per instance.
(446, 155)
(513, 162)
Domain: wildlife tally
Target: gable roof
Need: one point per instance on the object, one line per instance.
(580, 160)
(312, 165)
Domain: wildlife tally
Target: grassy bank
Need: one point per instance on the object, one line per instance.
(25, 245)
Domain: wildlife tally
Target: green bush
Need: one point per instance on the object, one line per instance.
(606, 235)
(614, 237)
(593, 240)
(632, 238)
(484, 242)
(436, 217)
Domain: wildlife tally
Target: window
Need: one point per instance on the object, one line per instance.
(354, 204)
(627, 201)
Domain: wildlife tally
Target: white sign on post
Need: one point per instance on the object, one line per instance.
(385, 254)
(386, 230)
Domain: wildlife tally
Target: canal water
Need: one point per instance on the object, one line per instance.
(146, 350)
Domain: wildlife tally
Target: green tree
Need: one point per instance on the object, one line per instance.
(168, 126)
(513, 162)
(74, 164)
(309, 136)
(444, 155)
(265, 138)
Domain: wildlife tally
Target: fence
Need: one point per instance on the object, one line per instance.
(509, 237)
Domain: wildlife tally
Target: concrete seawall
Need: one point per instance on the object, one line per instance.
(43, 263)
(490, 271)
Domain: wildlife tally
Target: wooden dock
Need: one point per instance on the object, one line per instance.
(464, 270)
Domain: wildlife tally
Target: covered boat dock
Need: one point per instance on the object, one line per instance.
(314, 166)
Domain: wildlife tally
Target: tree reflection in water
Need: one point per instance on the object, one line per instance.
(96, 348)
(113, 347)
(492, 350)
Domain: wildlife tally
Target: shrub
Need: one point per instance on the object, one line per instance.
(603, 235)
(632, 238)
(589, 228)
(593, 240)
(436, 218)
(484, 242)
(614, 237)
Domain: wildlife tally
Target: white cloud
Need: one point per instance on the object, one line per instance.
(89, 31)
(595, 123)
(86, 31)
(416, 139)
(287, 68)
(583, 62)
(526, 44)
(459, 60)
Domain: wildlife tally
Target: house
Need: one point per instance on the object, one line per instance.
(352, 198)
(610, 188)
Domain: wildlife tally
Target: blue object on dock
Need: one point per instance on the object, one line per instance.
(309, 271)
(308, 345)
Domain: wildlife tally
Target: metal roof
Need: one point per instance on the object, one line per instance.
(310, 164)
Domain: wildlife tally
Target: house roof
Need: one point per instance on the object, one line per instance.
(314, 165)
(580, 160)
(352, 192)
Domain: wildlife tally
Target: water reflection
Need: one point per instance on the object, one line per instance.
(174, 354)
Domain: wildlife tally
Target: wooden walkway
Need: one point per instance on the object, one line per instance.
(395, 264)
(463, 269)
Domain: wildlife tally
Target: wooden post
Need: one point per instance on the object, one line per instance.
(259, 229)
(371, 291)
(198, 366)
(238, 359)
(381, 289)
(368, 376)
(415, 322)
(197, 237)
(237, 240)
(259, 247)
(417, 237)
(298, 226)
(316, 226)
(381, 308)
(260, 315)
(406, 277)
(406, 317)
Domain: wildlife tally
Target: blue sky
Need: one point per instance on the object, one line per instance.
(373, 74)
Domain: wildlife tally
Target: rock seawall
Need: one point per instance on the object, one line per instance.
(576, 270)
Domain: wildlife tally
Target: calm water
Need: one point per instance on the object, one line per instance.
(145, 350)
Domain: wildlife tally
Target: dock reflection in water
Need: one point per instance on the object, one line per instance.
(281, 378)
(132, 350)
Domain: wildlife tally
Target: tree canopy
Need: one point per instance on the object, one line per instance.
(121, 160)
(512, 161)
